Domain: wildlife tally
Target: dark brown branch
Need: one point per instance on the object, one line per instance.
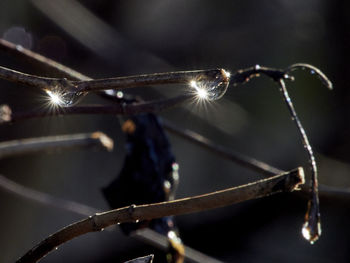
(64, 87)
(147, 235)
(178, 77)
(49, 143)
(243, 160)
(284, 182)
(117, 109)
(312, 226)
(222, 151)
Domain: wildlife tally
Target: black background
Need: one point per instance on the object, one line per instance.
(114, 38)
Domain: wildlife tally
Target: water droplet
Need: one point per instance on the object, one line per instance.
(19, 48)
(211, 87)
(306, 231)
(287, 76)
(166, 186)
(312, 72)
(56, 248)
(118, 223)
(102, 229)
(257, 67)
(136, 221)
(64, 98)
(309, 234)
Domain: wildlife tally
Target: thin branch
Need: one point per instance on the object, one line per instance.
(43, 198)
(243, 160)
(280, 183)
(214, 81)
(178, 77)
(312, 226)
(314, 71)
(222, 151)
(117, 109)
(147, 235)
(49, 143)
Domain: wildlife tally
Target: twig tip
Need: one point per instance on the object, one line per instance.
(104, 139)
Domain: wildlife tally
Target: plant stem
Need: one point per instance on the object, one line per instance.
(117, 109)
(285, 182)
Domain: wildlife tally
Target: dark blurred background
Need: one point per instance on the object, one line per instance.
(113, 38)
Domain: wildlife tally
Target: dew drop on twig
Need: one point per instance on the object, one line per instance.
(211, 88)
(64, 98)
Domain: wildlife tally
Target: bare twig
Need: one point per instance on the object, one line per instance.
(285, 182)
(244, 160)
(25, 146)
(46, 199)
(313, 70)
(147, 235)
(222, 151)
(312, 226)
(213, 81)
(117, 109)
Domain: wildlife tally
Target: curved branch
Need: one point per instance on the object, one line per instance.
(147, 235)
(312, 226)
(285, 182)
(313, 70)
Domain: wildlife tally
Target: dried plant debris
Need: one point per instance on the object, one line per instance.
(149, 175)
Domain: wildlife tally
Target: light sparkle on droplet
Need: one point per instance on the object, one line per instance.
(212, 86)
(55, 98)
(306, 232)
(200, 92)
(120, 94)
(171, 235)
(63, 98)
